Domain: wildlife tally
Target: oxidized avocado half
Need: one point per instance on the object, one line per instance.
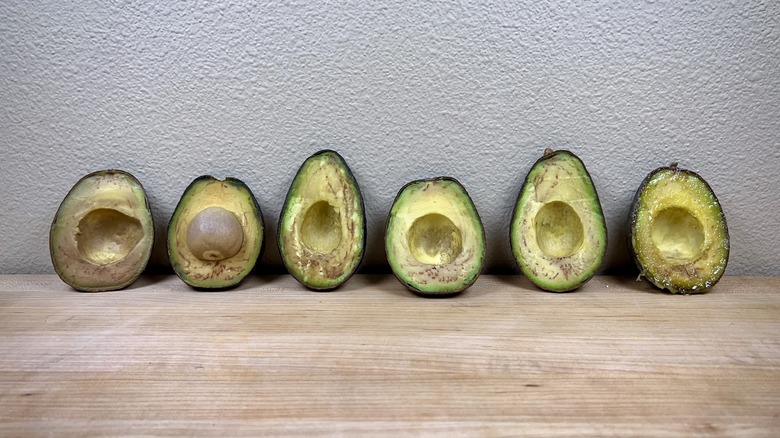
(322, 227)
(216, 233)
(435, 242)
(102, 235)
(558, 234)
(678, 231)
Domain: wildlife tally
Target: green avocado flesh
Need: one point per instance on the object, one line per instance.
(435, 242)
(558, 234)
(216, 233)
(322, 231)
(102, 235)
(678, 233)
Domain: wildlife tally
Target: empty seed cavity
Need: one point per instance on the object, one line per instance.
(106, 236)
(559, 231)
(677, 235)
(434, 240)
(321, 228)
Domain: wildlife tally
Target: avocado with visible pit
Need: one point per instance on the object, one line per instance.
(102, 234)
(322, 226)
(434, 240)
(558, 234)
(678, 233)
(216, 233)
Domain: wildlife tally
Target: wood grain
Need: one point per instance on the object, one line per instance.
(616, 358)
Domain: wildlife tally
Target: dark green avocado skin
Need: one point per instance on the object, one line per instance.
(359, 195)
(409, 286)
(635, 210)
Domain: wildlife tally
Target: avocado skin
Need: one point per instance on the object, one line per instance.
(409, 286)
(632, 221)
(234, 182)
(57, 215)
(543, 158)
(351, 177)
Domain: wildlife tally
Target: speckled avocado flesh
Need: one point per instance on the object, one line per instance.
(558, 234)
(102, 234)
(322, 227)
(678, 233)
(434, 241)
(216, 233)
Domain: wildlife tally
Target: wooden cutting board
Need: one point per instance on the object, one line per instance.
(616, 358)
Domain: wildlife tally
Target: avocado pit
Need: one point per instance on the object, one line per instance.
(105, 236)
(677, 235)
(215, 234)
(559, 231)
(434, 240)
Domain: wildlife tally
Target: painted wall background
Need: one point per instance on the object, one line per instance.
(403, 90)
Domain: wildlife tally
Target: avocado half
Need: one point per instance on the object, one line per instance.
(558, 233)
(322, 226)
(102, 234)
(678, 233)
(434, 241)
(216, 233)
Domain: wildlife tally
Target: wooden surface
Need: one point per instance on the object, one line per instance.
(617, 358)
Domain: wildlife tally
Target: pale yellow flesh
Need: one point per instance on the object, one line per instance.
(434, 238)
(321, 229)
(678, 232)
(558, 233)
(203, 271)
(102, 236)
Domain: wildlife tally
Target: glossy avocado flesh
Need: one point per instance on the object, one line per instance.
(216, 233)
(435, 242)
(558, 234)
(678, 232)
(322, 228)
(102, 235)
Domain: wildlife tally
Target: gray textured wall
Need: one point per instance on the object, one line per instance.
(404, 90)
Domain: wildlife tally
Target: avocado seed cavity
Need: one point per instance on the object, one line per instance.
(106, 236)
(215, 234)
(434, 240)
(321, 228)
(677, 235)
(559, 231)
